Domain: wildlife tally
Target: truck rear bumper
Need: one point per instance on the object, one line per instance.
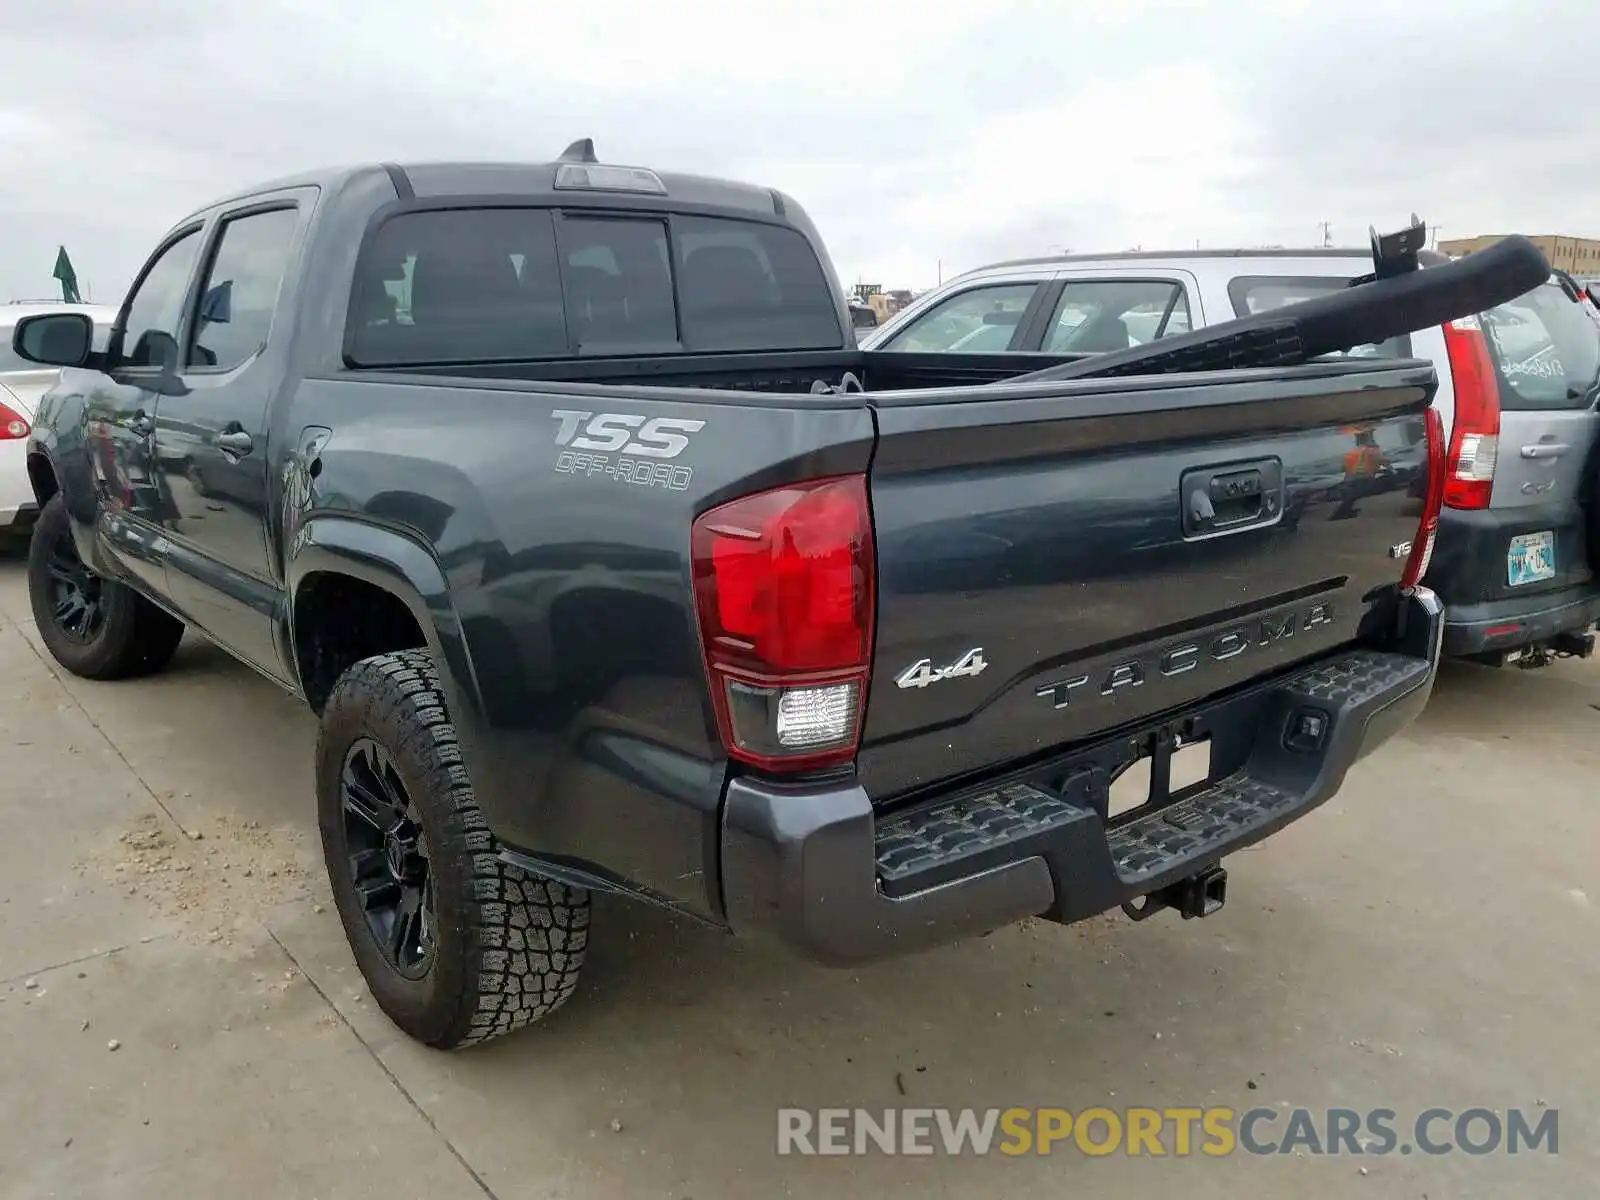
(821, 871)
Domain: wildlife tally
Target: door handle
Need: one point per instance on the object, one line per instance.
(1546, 450)
(141, 424)
(235, 441)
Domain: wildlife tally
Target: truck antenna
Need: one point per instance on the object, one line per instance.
(581, 151)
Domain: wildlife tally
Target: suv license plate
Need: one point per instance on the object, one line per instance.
(1531, 557)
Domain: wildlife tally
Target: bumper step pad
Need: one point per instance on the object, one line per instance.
(967, 834)
(1357, 678)
(965, 828)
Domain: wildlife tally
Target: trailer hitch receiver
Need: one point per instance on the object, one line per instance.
(1199, 895)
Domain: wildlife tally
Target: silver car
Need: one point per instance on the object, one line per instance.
(1517, 392)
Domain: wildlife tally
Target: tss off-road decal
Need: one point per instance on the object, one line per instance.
(625, 446)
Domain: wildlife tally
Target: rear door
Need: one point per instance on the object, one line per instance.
(1546, 353)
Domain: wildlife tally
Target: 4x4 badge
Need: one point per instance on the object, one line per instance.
(921, 673)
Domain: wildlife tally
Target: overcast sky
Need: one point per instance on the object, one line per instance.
(914, 133)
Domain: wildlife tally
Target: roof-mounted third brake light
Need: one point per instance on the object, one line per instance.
(581, 171)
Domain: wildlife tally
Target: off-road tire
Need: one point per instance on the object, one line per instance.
(135, 637)
(508, 946)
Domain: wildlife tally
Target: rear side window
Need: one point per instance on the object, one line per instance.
(1546, 350)
(1097, 316)
(1253, 294)
(488, 285)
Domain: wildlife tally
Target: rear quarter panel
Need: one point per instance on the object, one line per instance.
(568, 566)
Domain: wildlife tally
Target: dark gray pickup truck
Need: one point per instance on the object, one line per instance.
(562, 494)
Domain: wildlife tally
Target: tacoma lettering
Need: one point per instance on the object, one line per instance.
(1185, 657)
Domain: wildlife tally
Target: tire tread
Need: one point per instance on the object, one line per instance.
(525, 936)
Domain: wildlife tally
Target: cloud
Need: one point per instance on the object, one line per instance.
(920, 136)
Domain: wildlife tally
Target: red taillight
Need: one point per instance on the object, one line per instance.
(12, 424)
(1475, 432)
(1428, 528)
(784, 584)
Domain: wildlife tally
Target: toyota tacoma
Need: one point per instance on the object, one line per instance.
(563, 496)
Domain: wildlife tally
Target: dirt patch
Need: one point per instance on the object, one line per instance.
(211, 878)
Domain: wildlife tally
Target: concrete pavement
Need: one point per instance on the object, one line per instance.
(1427, 939)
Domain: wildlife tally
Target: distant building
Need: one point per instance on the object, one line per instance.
(1575, 255)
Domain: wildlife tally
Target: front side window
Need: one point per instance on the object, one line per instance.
(1099, 316)
(978, 321)
(150, 338)
(241, 289)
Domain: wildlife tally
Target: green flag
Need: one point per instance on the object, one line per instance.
(67, 277)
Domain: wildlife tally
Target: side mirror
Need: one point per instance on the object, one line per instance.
(55, 339)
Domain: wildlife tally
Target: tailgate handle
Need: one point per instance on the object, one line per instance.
(1237, 496)
(1546, 450)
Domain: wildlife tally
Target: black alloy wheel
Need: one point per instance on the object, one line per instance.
(458, 944)
(95, 627)
(387, 858)
(75, 592)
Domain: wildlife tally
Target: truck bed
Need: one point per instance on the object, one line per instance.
(1040, 523)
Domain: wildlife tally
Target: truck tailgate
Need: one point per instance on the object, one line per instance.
(1053, 567)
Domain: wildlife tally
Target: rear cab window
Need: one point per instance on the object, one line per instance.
(509, 284)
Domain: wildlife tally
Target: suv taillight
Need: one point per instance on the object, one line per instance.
(1428, 528)
(12, 424)
(784, 586)
(1475, 431)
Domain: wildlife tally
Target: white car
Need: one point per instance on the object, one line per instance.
(16, 494)
(21, 385)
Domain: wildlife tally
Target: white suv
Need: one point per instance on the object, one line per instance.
(1517, 392)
